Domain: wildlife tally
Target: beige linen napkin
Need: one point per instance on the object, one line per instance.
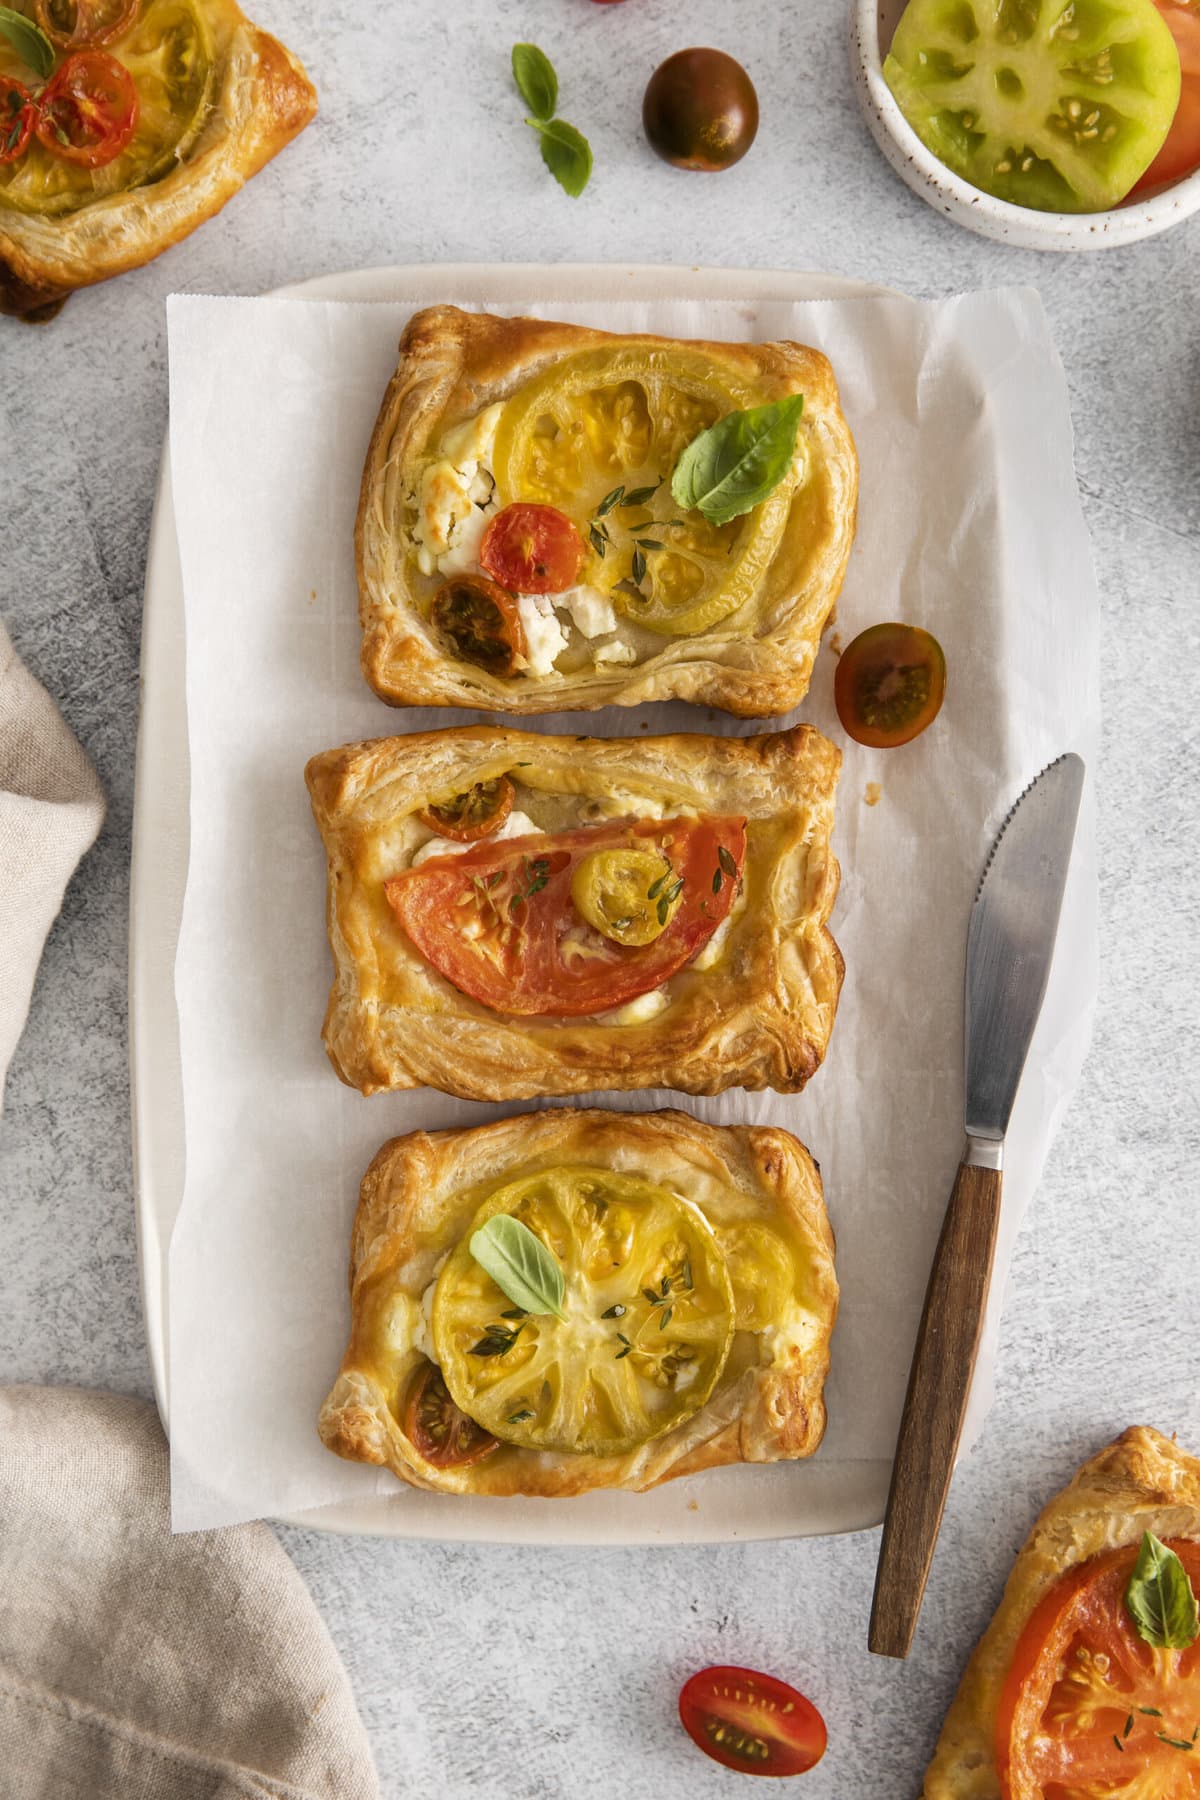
(139, 1666)
(51, 808)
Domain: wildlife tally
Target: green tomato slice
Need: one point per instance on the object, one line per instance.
(648, 1317)
(169, 52)
(1058, 105)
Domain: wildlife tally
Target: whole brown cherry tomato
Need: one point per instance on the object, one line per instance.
(700, 110)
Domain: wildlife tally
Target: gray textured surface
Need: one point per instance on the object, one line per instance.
(539, 1674)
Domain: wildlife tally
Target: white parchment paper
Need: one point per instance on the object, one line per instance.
(969, 525)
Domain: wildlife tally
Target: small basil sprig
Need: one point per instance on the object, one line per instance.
(520, 1264)
(565, 151)
(1159, 1598)
(739, 461)
(536, 81)
(28, 40)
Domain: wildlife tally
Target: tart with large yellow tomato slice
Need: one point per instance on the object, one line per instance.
(575, 1300)
(140, 120)
(1086, 1684)
(529, 539)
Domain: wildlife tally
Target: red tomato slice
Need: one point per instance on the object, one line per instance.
(72, 23)
(17, 114)
(1088, 1710)
(437, 1430)
(88, 110)
(1181, 152)
(532, 550)
(752, 1722)
(498, 920)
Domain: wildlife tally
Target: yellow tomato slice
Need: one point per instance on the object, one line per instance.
(630, 894)
(647, 1327)
(608, 420)
(169, 52)
(762, 1272)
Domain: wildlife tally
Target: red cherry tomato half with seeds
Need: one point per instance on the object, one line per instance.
(88, 111)
(18, 111)
(437, 1430)
(890, 684)
(750, 1722)
(532, 549)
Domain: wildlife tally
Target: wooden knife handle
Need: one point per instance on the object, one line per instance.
(931, 1424)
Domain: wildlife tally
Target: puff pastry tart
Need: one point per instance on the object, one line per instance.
(154, 113)
(513, 915)
(687, 1323)
(1067, 1696)
(520, 547)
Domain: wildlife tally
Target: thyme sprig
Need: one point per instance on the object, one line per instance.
(537, 874)
(497, 1340)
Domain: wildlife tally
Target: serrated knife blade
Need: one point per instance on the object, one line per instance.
(1010, 941)
(1010, 944)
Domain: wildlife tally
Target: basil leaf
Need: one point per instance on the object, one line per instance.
(28, 40)
(536, 81)
(737, 462)
(1159, 1598)
(520, 1265)
(566, 153)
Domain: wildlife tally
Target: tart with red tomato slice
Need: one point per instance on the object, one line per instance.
(671, 1309)
(139, 121)
(514, 914)
(1086, 1684)
(527, 540)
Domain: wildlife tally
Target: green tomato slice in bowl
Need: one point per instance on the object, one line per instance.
(1058, 105)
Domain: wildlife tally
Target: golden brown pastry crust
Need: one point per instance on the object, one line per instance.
(755, 663)
(411, 1210)
(1142, 1482)
(760, 1018)
(263, 98)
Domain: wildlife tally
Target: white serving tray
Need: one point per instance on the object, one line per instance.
(813, 1498)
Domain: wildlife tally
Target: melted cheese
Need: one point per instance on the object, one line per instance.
(455, 487)
(545, 638)
(590, 611)
(639, 1011)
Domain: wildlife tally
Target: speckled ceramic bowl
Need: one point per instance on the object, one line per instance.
(873, 22)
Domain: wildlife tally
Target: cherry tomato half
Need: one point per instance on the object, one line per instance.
(1181, 152)
(73, 23)
(18, 110)
(89, 109)
(751, 1722)
(437, 1430)
(480, 622)
(532, 549)
(890, 685)
(700, 110)
(476, 814)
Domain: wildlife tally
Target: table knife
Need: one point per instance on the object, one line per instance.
(1010, 943)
